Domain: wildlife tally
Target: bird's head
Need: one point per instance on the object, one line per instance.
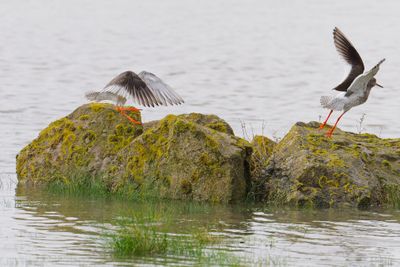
(373, 83)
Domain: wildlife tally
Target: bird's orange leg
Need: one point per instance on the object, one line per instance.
(122, 111)
(133, 109)
(132, 120)
(326, 120)
(330, 132)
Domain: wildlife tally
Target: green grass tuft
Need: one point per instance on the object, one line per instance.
(84, 184)
(392, 195)
(78, 184)
(139, 241)
(142, 236)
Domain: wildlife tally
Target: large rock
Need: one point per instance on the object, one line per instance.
(191, 156)
(84, 140)
(196, 156)
(307, 168)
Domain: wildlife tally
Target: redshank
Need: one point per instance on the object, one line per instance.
(355, 88)
(145, 88)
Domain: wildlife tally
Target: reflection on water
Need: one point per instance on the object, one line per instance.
(38, 226)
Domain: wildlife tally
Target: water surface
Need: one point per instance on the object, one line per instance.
(40, 228)
(254, 62)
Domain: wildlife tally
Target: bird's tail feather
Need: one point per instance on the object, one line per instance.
(105, 95)
(92, 95)
(325, 100)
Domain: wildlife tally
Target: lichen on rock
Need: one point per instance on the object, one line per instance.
(308, 168)
(197, 157)
(190, 156)
(81, 142)
(186, 160)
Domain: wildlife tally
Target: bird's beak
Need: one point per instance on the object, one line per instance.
(379, 85)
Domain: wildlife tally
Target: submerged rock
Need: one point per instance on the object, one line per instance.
(307, 168)
(191, 156)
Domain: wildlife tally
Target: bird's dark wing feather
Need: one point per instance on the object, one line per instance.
(350, 55)
(129, 83)
(162, 91)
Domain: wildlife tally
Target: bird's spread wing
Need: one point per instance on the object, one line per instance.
(350, 55)
(162, 91)
(360, 83)
(129, 83)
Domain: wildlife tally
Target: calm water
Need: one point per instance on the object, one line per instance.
(38, 228)
(246, 61)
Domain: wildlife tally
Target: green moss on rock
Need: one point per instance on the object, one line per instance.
(185, 160)
(210, 121)
(309, 169)
(79, 142)
(196, 156)
(191, 156)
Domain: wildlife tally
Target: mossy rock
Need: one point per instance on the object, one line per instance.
(84, 141)
(190, 156)
(183, 159)
(210, 121)
(307, 168)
